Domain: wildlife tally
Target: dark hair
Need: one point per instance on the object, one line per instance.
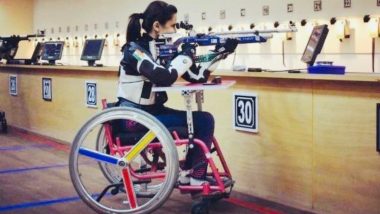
(156, 11)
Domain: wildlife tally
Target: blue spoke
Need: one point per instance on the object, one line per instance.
(99, 156)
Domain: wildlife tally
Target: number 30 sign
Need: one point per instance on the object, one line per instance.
(245, 112)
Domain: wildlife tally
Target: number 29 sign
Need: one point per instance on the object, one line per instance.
(91, 94)
(245, 116)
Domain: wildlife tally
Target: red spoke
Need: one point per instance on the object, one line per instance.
(128, 185)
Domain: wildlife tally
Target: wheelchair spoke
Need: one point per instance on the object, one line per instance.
(98, 156)
(128, 185)
(139, 147)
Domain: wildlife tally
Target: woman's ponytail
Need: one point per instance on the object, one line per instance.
(134, 27)
(156, 11)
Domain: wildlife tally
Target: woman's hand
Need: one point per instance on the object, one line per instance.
(231, 45)
(228, 47)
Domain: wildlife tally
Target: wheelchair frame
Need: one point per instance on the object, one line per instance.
(207, 189)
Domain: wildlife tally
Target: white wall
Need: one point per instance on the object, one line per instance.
(355, 53)
(16, 17)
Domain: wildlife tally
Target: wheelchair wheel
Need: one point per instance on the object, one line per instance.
(112, 172)
(118, 172)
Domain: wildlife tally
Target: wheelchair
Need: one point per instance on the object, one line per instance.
(135, 170)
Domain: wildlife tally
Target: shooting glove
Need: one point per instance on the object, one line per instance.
(228, 47)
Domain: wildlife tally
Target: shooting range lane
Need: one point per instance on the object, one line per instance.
(47, 187)
(316, 132)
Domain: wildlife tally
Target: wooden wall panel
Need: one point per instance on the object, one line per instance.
(346, 165)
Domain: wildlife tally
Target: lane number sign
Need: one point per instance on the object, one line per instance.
(91, 94)
(245, 116)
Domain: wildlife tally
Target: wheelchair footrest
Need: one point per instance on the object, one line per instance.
(226, 181)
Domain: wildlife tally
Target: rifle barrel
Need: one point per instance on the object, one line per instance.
(257, 32)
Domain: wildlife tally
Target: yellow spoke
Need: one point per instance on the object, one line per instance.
(141, 145)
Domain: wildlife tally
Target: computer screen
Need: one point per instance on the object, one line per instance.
(315, 44)
(93, 49)
(52, 50)
(25, 50)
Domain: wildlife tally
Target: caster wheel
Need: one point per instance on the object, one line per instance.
(200, 208)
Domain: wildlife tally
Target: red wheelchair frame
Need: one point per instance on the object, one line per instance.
(215, 190)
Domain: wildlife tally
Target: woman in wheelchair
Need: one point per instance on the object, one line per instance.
(140, 70)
